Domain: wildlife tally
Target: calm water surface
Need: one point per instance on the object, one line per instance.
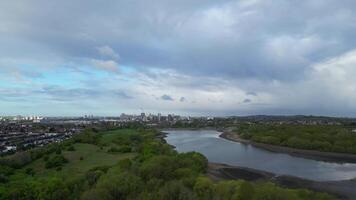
(220, 150)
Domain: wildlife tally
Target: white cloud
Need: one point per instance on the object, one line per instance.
(337, 76)
(108, 52)
(107, 65)
(214, 53)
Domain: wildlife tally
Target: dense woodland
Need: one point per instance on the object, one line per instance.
(328, 138)
(124, 164)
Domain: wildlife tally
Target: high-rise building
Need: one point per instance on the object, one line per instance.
(143, 116)
(170, 118)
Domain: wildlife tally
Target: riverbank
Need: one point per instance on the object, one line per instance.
(340, 189)
(310, 154)
(217, 171)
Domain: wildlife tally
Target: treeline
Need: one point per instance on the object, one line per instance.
(328, 138)
(157, 172)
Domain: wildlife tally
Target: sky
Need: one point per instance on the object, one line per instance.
(201, 57)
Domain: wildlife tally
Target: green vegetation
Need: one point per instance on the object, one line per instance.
(314, 137)
(124, 164)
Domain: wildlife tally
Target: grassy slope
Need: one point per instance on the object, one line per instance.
(109, 136)
(92, 155)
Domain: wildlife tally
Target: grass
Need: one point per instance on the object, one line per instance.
(108, 137)
(93, 156)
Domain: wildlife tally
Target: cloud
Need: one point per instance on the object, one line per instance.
(251, 93)
(108, 52)
(123, 95)
(231, 39)
(167, 97)
(107, 65)
(182, 99)
(247, 101)
(218, 52)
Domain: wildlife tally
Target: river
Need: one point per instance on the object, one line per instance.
(220, 150)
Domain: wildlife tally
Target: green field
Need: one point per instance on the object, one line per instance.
(109, 136)
(92, 156)
(85, 157)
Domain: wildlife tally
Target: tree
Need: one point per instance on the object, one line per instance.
(120, 186)
(204, 188)
(245, 191)
(54, 189)
(226, 189)
(161, 167)
(175, 190)
(56, 161)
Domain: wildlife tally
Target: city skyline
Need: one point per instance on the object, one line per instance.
(201, 58)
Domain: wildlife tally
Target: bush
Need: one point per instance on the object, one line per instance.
(56, 161)
(227, 189)
(125, 149)
(204, 188)
(89, 136)
(3, 178)
(113, 150)
(71, 148)
(30, 171)
(160, 167)
(245, 191)
(118, 186)
(175, 190)
(93, 176)
(54, 189)
(58, 151)
(17, 160)
(6, 170)
(125, 164)
(45, 158)
(193, 160)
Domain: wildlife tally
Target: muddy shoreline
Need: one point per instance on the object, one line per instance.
(344, 189)
(339, 189)
(310, 154)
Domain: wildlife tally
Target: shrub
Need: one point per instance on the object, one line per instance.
(30, 171)
(175, 190)
(71, 148)
(56, 161)
(3, 178)
(58, 150)
(204, 188)
(45, 158)
(245, 191)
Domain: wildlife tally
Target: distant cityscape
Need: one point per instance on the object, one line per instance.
(24, 132)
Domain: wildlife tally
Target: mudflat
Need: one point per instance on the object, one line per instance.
(342, 189)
